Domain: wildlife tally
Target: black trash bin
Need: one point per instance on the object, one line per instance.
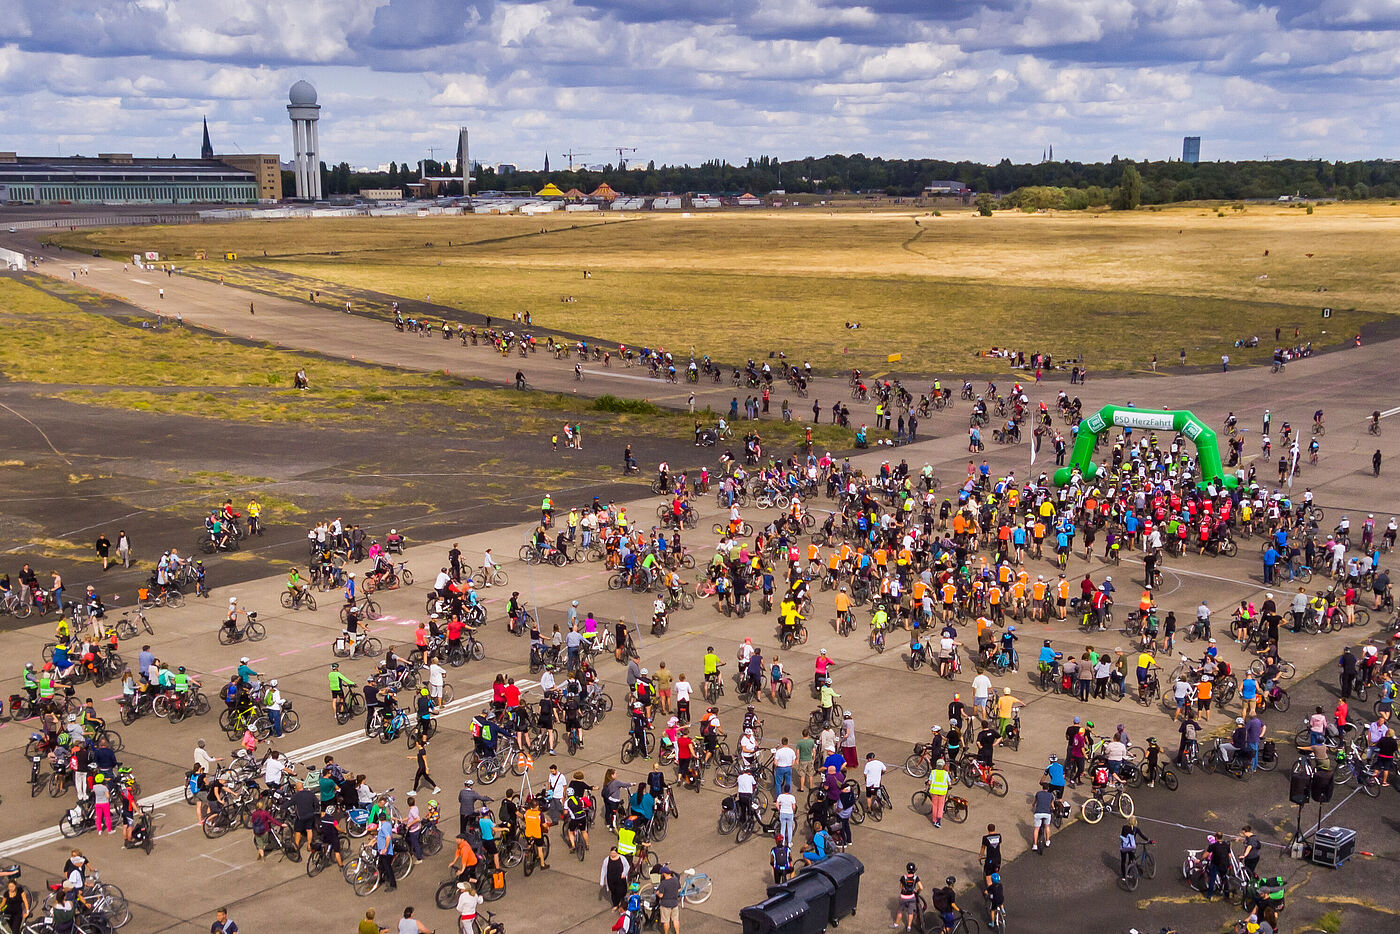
(816, 891)
(844, 872)
(783, 913)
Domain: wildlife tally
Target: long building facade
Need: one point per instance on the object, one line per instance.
(119, 178)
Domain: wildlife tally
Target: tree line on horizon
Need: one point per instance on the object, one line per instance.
(1072, 185)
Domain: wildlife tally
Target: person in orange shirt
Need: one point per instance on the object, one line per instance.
(1018, 599)
(994, 602)
(814, 558)
(1038, 591)
(950, 596)
(1062, 598)
(880, 556)
(1204, 691)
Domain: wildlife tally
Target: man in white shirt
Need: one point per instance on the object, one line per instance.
(784, 758)
(488, 566)
(745, 652)
(203, 757)
(786, 803)
(683, 690)
(558, 791)
(981, 690)
(436, 673)
(443, 581)
(273, 769)
(874, 772)
(744, 787)
(547, 680)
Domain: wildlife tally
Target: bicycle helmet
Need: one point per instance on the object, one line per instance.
(910, 867)
(951, 880)
(1047, 643)
(996, 878)
(634, 887)
(335, 666)
(1010, 628)
(182, 671)
(423, 691)
(28, 666)
(1054, 757)
(273, 682)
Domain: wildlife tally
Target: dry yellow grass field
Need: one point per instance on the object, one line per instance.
(1115, 287)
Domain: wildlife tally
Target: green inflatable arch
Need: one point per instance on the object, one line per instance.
(1117, 416)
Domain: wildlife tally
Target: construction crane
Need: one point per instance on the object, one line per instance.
(620, 150)
(570, 157)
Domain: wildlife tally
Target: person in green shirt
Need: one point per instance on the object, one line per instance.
(806, 752)
(327, 789)
(369, 926)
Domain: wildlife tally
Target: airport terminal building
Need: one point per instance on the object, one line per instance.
(119, 178)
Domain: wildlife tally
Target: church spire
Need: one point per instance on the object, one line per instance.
(546, 162)
(206, 151)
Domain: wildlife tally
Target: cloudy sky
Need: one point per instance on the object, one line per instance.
(689, 80)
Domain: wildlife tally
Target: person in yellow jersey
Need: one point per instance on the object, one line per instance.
(254, 517)
(1145, 661)
(938, 782)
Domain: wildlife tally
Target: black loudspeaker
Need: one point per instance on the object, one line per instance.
(1322, 786)
(1300, 788)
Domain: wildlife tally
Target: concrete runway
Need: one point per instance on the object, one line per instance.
(893, 706)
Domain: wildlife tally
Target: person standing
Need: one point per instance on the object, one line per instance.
(124, 548)
(783, 758)
(384, 851)
(467, 904)
(668, 898)
(786, 803)
(104, 550)
(614, 877)
(223, 924)
(411, 925)
(938, 782)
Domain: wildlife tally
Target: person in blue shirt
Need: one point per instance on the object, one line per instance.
(633, 910)
(384, 850)
(1047, 658)
(821, 846)
(488, 835)
(61, 663)
(643, 804)
(1055, 776)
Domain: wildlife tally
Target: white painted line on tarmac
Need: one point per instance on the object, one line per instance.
(50, 835)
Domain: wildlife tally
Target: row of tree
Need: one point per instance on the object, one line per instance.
(1118, 182)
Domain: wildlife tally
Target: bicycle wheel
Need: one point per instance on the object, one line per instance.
(998, 785)
(921, 803)
(697, 889)
(174, 599)
(256, 633)
(1125, 805)
(1149, 864)
(369, 609)
(286, 599)
(446, 896)
(316, 862)
(1128, 882)
(955, 809)
(365, 879)
(290, 721)
(1093, 810)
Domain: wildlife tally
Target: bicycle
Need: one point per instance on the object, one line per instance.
(497, 577)
(252, 630)
(1094, 808)
(127, 629)
(365, 608)
(955, 807)
(295, 601)
(1142, 865)
(975, 772)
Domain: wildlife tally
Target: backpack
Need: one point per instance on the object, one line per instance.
(230, 692)
(261, 824)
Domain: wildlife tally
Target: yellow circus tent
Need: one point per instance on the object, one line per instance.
(549, 191)
(604, 192)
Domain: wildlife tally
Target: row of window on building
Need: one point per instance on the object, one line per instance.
(78, 194)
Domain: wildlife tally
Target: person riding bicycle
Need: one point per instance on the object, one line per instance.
(944, 901)
(712, 665)
(298, 587)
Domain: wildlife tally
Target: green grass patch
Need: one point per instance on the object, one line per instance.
(1116, 287)
(611, 403)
